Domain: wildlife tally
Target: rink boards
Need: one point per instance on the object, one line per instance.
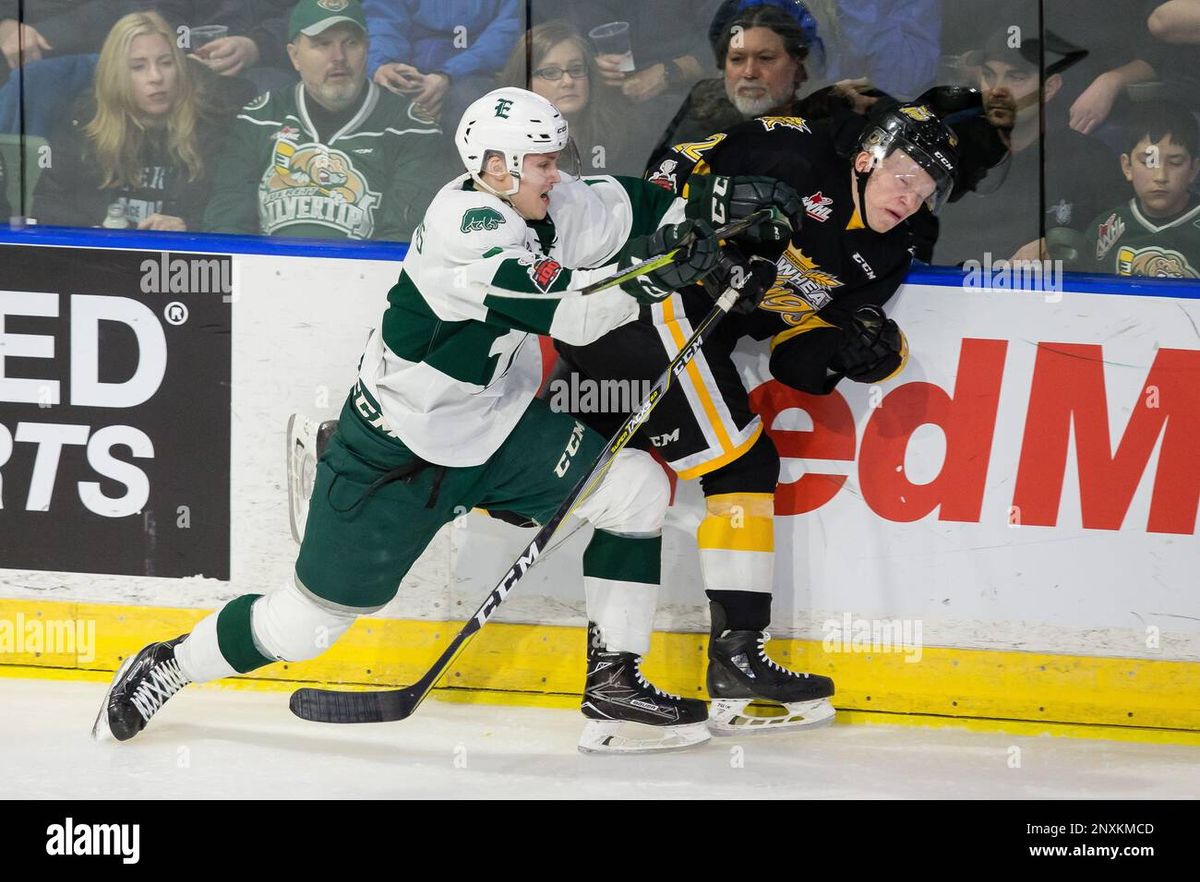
(1004, 531)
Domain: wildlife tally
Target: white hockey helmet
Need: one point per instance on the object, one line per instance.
(512, 122)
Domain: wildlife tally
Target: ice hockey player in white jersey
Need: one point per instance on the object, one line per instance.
(443, 418)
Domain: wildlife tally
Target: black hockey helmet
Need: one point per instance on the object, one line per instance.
(917, 130)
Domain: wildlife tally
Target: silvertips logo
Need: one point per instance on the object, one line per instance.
(120, 840)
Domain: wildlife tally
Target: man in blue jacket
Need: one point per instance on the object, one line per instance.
(441, 55)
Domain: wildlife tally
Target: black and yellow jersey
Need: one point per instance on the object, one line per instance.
(834, 263)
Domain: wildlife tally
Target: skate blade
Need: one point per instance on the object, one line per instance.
(100, 730)
(301, 470)
(619, 736)
(741, 716)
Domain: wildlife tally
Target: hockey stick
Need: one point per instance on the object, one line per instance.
(303, 440)
(334, 706)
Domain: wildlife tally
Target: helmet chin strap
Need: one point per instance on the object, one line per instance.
(503, 194)
(860, 183)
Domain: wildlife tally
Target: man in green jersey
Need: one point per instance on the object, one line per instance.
(333, 157)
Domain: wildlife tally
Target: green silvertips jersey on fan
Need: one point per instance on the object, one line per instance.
(369, 180)
(455, 360)
(1125, 242)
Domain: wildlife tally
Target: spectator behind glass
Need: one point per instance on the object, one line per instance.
(670, 51)
(891, 45)
(56, 27)
(139, 142)
(1157, 232)
(335, 156)
(1003, 216)
(443, 54)
(255, 47)
(1164, 48)
(563, 70)
(761, 50)
(5, 207)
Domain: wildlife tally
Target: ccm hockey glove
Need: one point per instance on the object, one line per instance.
(873, 347)
(721, 200)
(696, 258)
(753, 277)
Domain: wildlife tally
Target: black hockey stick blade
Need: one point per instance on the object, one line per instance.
(331, 706)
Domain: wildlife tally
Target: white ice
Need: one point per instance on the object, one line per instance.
(223, 743)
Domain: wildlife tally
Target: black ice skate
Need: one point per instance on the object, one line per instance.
(740, 673)
(627, 714)
(139, 689)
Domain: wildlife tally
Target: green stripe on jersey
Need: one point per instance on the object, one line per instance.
(650, 203)
(409, 324)
(461, 350)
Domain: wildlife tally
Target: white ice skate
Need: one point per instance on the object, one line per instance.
(306, 441)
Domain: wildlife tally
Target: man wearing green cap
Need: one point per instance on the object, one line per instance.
(334, 156)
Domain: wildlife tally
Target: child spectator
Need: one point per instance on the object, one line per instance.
(1157, 232)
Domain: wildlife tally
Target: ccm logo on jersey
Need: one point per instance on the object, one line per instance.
(818, 206)
(544, 272)
(858, 258)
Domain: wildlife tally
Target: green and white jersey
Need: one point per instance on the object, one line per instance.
(455, 360)
(1126, 242)
(372, 179)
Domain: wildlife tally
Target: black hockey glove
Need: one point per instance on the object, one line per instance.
(873, 347)
(753, 277)
(721, 200)
(691, 264)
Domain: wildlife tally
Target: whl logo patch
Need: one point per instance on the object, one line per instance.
(818, 206)
(1108, 233)
(481, 219)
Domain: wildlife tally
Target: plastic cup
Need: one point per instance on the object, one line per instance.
(206, 34)
(613, 39)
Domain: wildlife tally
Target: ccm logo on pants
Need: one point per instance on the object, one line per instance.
(564, 461)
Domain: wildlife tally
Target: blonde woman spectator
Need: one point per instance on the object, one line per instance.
(140, 143)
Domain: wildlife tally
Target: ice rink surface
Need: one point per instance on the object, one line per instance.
(228, 744)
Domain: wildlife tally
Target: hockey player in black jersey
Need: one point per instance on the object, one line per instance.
(825, 319)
